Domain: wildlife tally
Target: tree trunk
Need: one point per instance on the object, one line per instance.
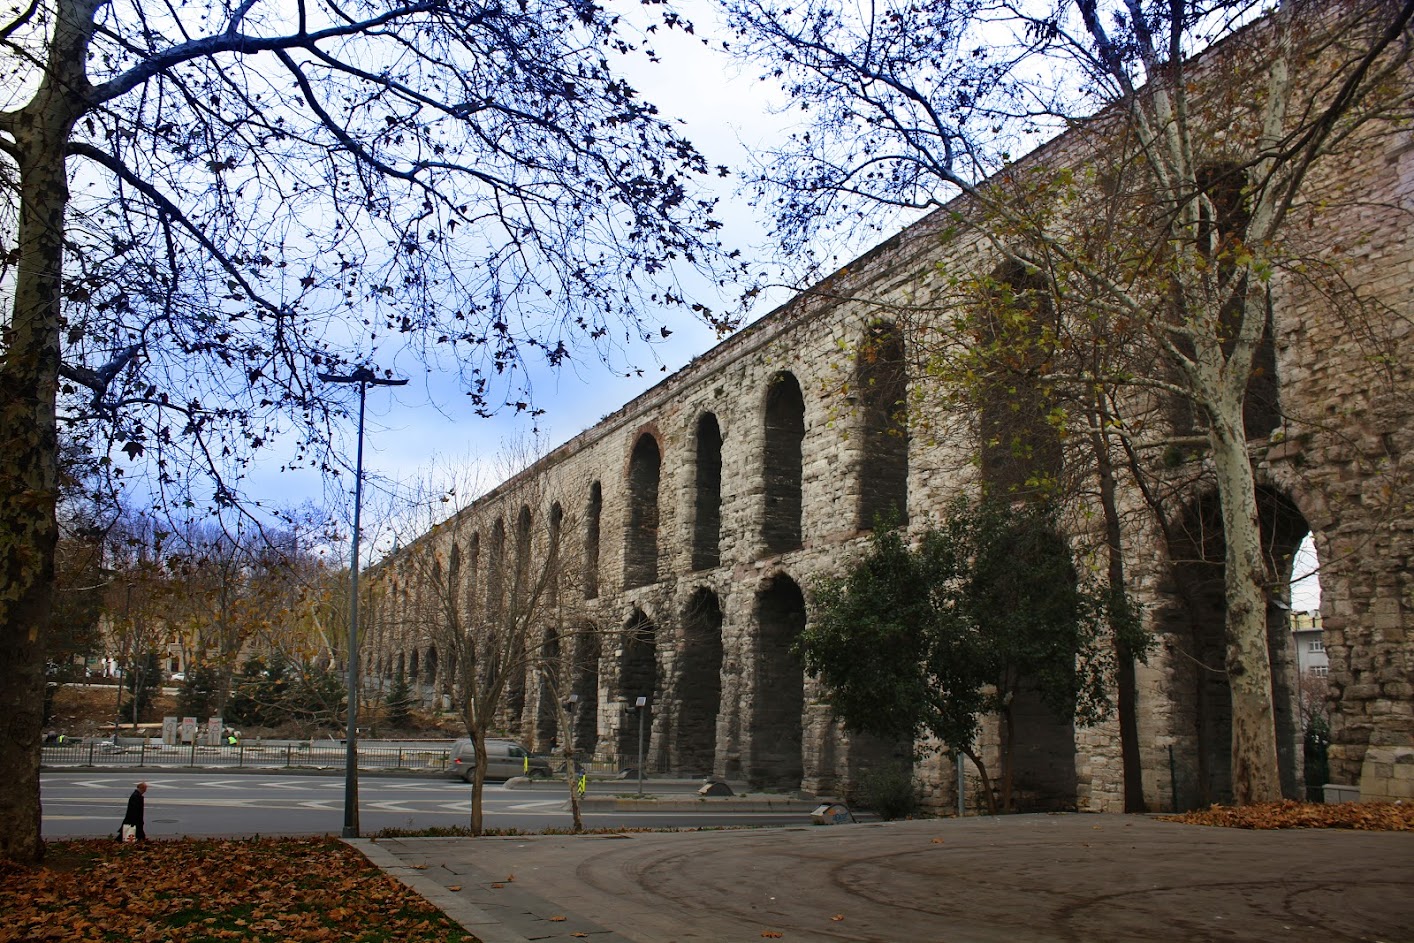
(987, 792)
(1126, 688)
(1255, 775)
(29, 482)
(29, 454)
(566, 722)
(478, 780)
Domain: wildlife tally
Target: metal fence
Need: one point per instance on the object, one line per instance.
(143, 752)
(282, 754)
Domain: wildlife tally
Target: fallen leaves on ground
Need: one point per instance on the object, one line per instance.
(266, 890)
(1363, 816)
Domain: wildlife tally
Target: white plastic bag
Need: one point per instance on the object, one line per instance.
(129, 833)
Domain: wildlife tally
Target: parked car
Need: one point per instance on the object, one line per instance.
(504, 759)
(178, 677)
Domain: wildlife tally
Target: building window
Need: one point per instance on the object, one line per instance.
(1320, 671)
(1317, 646)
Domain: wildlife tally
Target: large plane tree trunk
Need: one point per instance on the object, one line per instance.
(1255, 772)
(29, 376)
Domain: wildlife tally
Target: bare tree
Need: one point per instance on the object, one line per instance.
(204, 206)
(1195, 167)
(494, 589)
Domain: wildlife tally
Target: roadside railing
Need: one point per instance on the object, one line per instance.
(268, 754)
(142, 752)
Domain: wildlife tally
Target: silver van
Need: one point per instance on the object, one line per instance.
(504, 759)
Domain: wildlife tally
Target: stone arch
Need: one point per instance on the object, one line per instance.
(707, 495)
(1020, 450)
(1193, 624)
(554, 533)
(413, 664)
(882, 380)
(495, 573)
(778, 689)
(783, 463)
(518, 681)
(402, 668)
(546, 713)
(454, 585)
(585, 720)
(473, 572)
(521, 586)
(638, 677)
(698, 685)
(641, 529)
(429, 669)
(593, 515)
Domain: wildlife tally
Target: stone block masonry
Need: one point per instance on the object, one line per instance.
(687, 528)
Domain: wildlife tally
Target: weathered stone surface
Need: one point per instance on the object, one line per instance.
(698, 515)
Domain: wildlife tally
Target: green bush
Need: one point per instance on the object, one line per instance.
(890, 792)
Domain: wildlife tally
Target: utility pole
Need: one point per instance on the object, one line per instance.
(365, 378)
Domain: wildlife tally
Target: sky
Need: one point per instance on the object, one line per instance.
(427, 423)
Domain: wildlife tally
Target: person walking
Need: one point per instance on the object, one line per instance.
(134, 817)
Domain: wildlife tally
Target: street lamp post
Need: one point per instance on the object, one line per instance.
(365, 378)
(641, 706)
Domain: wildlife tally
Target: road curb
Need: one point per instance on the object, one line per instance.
(694, 804)
(476, 921)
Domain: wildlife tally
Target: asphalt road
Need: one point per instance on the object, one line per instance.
(86, 804)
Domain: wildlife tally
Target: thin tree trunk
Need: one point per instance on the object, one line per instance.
(1126, 687)
(987, 792)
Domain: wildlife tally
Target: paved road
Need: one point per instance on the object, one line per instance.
(1016, 879)
(213, 803)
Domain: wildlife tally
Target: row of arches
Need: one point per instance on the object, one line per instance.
(879, 396)
(682, 672)
(414, 665)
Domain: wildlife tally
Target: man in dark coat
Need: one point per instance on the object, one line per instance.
(134, 813)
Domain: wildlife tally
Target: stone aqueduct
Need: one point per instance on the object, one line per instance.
(695, 518)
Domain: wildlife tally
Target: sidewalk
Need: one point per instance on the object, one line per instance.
(1013, 879)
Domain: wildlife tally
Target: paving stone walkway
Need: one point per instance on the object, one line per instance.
(1014, 879)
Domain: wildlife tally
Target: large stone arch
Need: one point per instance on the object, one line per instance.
(645, 470)
(584, 688)
(707, 494)
(547, 732)
(1020, 450)
(782, 464)
(697, 686)
(593, 521)
(431, 670)
(775, 757)
(1192, 625)
(882, 379)
(638, 677)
